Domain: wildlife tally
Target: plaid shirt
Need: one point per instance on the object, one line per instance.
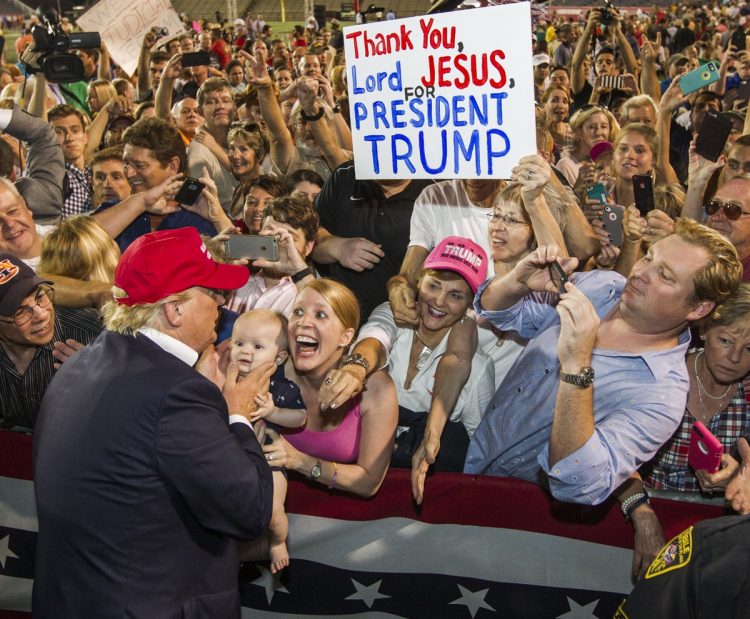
(669, 470)
(78, 197)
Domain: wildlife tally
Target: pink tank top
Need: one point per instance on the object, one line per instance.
(338, 445)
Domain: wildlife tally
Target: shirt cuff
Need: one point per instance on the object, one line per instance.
(580, 477)
(240, 419)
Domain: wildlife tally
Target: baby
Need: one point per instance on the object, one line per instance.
(260, 336)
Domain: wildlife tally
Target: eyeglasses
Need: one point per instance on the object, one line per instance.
(44, 298)
(508, 221)
(732, 210)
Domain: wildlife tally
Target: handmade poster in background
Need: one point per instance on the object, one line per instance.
(122, 24)
(442, 96)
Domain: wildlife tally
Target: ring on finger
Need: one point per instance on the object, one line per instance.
(271, 456)
(328, 380)
(529, 175)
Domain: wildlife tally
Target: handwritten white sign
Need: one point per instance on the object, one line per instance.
(442, 96)
(122, 24)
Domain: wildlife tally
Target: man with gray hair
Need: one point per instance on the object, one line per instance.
(146, 472)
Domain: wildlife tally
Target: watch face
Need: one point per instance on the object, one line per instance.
(316, 471)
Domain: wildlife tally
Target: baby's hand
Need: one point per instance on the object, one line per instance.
(265, 406)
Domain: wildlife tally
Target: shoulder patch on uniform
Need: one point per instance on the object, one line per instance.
(675, 554)
(620, 613)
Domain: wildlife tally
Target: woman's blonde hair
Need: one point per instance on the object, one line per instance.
(556, 201)
(644, 131)
(104, 90)
(80, 248)
(581, 116)
(340, 298)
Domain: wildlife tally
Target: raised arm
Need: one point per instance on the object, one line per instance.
(628, 56)
(163, 95)
(670, 101)
(104, 70)
(282, 144)
(45, 166)
(312, 108)
(143, 83)
(649, 79)
(577, 75)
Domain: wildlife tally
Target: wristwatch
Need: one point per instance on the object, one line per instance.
(316, 471)
(585, 378)
(299, 275)
(356, 359)
(317, 116)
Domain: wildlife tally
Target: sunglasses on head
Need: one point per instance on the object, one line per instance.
(732, 210)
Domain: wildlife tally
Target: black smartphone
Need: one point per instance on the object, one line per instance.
(190, 191)
(252, 247)
(612, 221)
(195, 59)
(643, 188)
(713, 135)
(738, 39)
(558, 275)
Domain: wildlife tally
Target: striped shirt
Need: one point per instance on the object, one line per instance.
(21, 394)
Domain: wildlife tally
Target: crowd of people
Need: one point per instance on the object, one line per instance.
(488, 326)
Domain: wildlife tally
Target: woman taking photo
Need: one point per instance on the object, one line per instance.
(591, 124)
(348, 446)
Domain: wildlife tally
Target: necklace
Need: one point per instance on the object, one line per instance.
(702, 389)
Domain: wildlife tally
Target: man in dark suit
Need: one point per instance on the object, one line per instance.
(145, 471)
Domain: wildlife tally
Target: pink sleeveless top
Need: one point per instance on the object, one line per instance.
(338, 445)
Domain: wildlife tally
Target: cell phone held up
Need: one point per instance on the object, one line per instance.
(713, 135)
(189, 192)
(705, 449)
(252, 247)
(612, 221)
(195, 59)
(703, 76)
(643, 188)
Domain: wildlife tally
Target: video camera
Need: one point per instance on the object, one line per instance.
(53, 43)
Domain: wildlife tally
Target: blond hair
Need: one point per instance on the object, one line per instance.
(734, 312)
(80, 248)
(722, 273)
(128, 319)
(340, 298)
(581, 116)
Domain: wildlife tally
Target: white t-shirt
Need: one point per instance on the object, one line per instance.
(444, 209)
(42, 231)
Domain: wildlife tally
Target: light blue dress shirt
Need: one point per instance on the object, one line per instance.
(639, 399)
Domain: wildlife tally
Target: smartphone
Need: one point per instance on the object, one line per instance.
(738, 39)
(190, 191)
(612, 220)
(195, 59)
(612, 81)
(252, 247)
(705, 449)
(597, 192)
(713, 135)
(699, 78)
(643, 188)
(558, 275)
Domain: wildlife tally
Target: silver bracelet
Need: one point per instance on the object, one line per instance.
(632, 502)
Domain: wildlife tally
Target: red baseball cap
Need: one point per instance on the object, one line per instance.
(159, 264)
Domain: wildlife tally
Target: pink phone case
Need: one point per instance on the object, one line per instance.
(705, 449)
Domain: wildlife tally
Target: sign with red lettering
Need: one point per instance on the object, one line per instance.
(122, 24)
(442, 96)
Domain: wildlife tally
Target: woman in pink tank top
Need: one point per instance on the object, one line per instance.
(348, 445)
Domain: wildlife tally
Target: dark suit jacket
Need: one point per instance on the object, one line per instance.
(141, 485)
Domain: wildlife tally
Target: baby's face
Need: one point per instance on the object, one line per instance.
(254, 342)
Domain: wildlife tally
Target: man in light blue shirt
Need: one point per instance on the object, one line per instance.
(549, 422)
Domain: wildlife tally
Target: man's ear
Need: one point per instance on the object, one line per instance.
(281, 357)
(172, 312)
(309, 246)
(701, 310)
(174, 165)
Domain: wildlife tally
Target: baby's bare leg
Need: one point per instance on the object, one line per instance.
(278, 529)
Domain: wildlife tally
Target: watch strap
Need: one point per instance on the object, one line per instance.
(314, 117)
(299, 275)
